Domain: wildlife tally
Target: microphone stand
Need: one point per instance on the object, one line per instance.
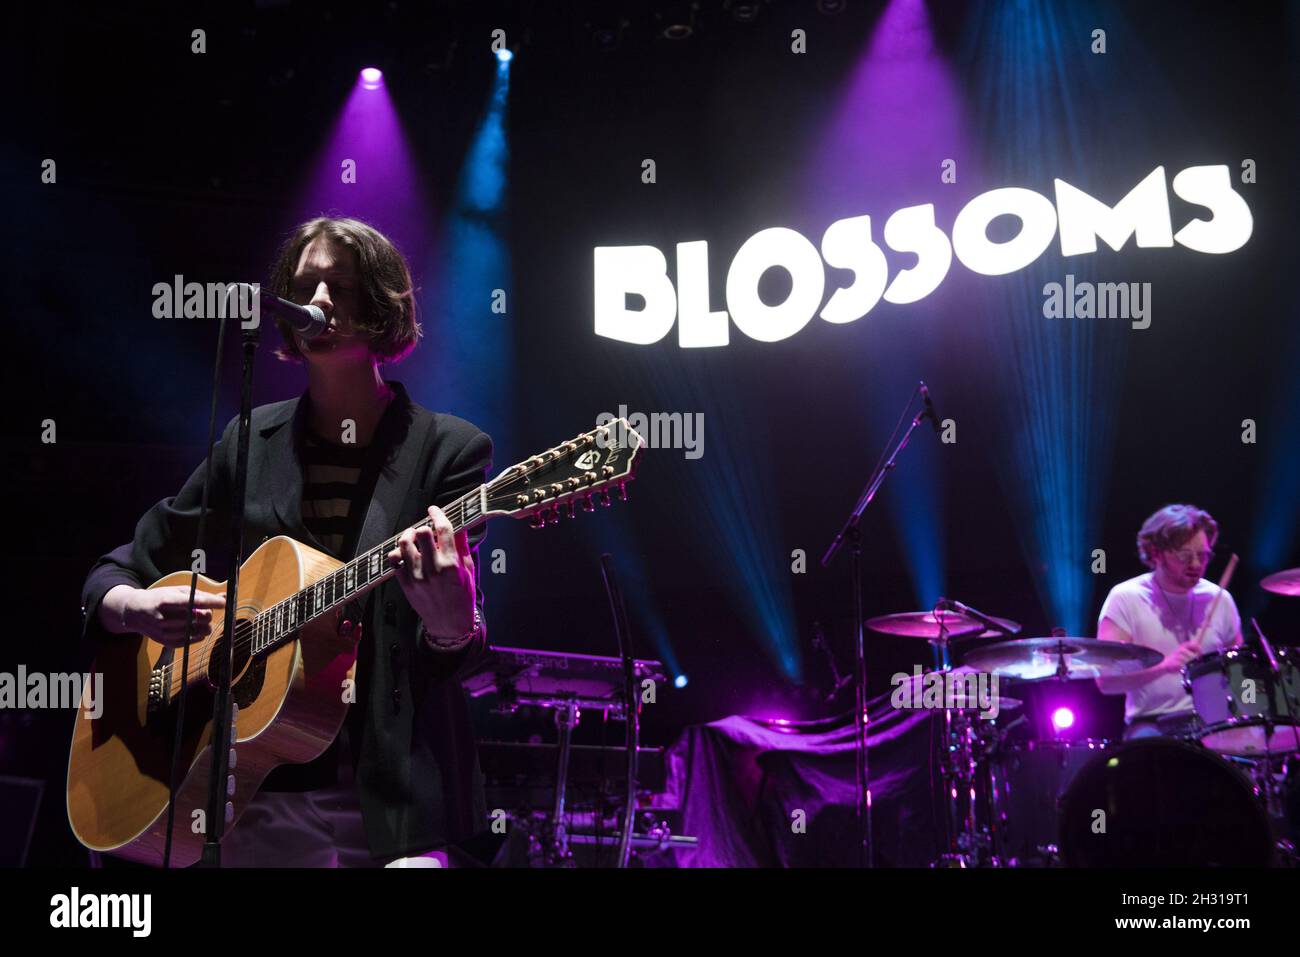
(850, 533)
(632, 719)
(949, 604)
(223, 658)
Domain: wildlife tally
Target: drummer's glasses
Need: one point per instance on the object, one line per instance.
(1187, 556)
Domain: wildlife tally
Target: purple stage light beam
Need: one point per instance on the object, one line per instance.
(365, 169)
(894, 137)
(897, 121)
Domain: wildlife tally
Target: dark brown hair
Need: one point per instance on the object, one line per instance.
(386, 294)
(1170, 528)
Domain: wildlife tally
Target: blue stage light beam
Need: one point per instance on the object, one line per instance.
(1058, 377)
(471, 297)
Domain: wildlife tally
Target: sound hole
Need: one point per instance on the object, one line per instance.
(250, 683)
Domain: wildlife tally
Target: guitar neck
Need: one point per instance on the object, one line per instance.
(368, 570)
(572, 471)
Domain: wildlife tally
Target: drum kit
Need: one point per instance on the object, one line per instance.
(1019, 797)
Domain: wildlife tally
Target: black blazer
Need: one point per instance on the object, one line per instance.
(416, 764)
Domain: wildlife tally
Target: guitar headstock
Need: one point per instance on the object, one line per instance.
(576, 473)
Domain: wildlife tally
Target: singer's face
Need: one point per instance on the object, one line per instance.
(328, 277)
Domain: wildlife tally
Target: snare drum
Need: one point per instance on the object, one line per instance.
(1157, 802)
(1244, 708)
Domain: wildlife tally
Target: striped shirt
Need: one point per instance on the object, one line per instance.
(329, 495)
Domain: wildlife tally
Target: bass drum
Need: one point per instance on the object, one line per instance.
(1159, 802)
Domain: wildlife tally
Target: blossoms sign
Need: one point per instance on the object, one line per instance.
(1078, 219)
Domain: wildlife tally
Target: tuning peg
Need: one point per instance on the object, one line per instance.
(553, 518)
(569, 506)
(605, 500)
(622, 491)
(232, 761)
(230, 785)
(230, 812)
(537, 521)
(587, 504)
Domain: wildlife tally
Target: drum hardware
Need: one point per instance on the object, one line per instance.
(966, 738)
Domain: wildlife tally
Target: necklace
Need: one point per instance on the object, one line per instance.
(1191, 605)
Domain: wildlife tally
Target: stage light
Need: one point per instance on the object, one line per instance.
(678, 21)
(505, 55)
(1062, 718)
(680, 681)
(372, 78)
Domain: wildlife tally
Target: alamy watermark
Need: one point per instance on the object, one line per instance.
(213, 300)
(76, 910)
(661, 430)
(1098, 300)
(939, 690)
(25, 690)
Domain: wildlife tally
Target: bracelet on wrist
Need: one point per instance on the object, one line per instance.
(454, 644)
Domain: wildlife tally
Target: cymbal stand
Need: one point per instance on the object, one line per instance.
(957, 768)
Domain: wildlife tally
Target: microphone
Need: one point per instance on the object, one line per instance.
(929, 408)
(951, 604)
(308, 321)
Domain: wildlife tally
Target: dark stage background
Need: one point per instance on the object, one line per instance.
(1069, 432)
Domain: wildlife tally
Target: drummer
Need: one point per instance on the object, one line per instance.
(1164, 610)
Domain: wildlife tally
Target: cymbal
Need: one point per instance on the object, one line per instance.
(1033, 659)
(924, 624)
(1283, 583)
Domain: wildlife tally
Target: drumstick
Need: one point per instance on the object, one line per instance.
(1223, 587)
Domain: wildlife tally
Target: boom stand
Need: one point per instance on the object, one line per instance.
(849, 532)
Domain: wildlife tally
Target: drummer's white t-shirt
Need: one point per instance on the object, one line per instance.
(1140, 608)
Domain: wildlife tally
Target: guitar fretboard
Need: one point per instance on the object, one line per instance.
(366, 571)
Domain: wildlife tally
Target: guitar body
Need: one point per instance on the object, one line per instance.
(291, 705)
